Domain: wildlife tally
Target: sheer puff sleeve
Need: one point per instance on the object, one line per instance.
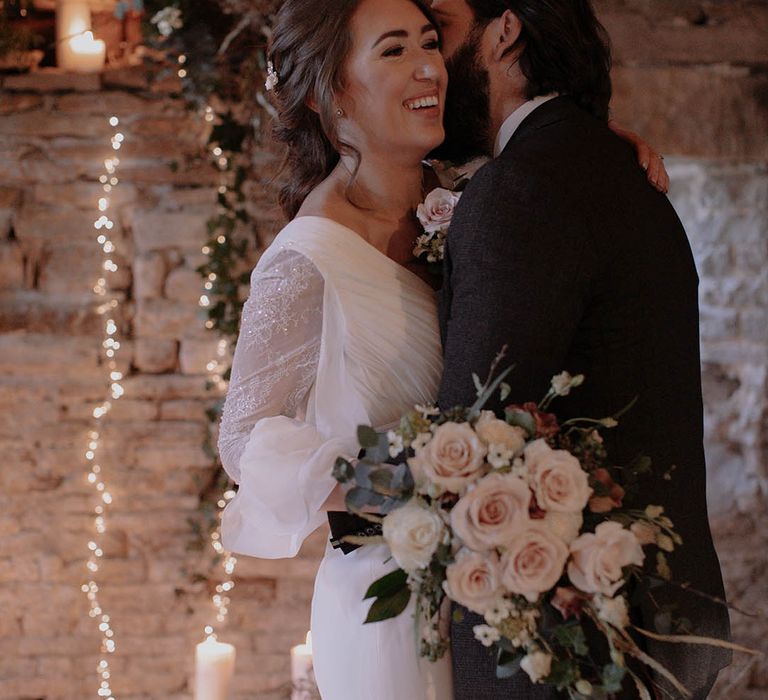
(280, 460)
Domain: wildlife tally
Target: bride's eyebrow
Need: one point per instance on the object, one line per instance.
(401, 33)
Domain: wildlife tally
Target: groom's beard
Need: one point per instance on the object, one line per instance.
(467, 106)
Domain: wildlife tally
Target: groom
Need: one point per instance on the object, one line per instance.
(561, 250)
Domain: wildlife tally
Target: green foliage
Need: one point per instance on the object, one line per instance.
(571, 636)
(387, 585)
(391, 595)
(613, 675)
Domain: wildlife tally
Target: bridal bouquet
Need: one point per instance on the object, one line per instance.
(519, 519)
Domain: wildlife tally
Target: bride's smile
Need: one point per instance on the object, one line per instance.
(394, 81)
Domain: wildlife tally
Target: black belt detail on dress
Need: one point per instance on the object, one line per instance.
(343, 523)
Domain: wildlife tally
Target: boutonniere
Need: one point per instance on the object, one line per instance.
(436, 211)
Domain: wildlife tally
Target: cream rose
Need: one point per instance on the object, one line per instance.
(493, 431)
(598, 558)
(537, 664)
(492, 512)
(452, 459)
(559, 481)
(533, 562)
(474, 580)
(566, 526)
(413, 534)
(436, 211)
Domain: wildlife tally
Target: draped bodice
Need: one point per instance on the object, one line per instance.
(379, 320)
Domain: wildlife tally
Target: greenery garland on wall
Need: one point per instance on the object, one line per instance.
(217, 48)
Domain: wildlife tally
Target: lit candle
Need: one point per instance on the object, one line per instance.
(76, 49)
(214, 667)
(302, 671)
(87, 53)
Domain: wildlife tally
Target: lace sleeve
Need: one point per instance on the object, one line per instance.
(277, 352)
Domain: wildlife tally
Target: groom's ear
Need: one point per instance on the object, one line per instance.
(506, 34)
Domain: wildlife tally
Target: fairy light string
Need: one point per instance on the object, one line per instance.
(108, 307)
(216, 368)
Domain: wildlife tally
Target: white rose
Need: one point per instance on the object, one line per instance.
(614, 611)
(537, 664)
(474, 580)
(492, 512)
(566, 526)
(533, 562)
(452, 459)
(493, 431)
(598, 558)
(436, 211)
(413, 534)
(559, 481)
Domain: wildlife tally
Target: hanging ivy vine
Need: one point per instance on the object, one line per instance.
(218, 50)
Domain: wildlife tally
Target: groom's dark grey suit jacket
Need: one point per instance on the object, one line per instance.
(562, 251)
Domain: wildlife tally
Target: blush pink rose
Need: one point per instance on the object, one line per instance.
(559, 481)
(492, 512)
(533, 562)
(598, 558)
(452, 459)
(474, 580)
(436, 211)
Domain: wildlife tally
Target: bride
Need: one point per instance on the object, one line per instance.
(339, 329)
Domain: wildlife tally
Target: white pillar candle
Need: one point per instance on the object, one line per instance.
(87, 53)
(73, 17)
(302, 671)
(214, 668)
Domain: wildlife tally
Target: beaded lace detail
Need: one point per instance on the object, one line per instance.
(277, 352)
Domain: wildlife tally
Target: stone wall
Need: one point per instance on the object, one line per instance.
(690, 76)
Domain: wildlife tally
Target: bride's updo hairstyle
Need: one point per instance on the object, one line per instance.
(310, 42)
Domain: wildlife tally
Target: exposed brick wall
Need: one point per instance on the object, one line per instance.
(689, 75)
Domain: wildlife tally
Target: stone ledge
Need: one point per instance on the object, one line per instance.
(53, 80)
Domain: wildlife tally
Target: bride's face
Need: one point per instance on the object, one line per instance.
(394, 81)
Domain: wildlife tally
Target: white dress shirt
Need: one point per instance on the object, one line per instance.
(513, 121)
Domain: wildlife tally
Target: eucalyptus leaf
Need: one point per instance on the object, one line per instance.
(358, 497)
(343, 470)
(390, 504)
(522, 419)
(391, 606)
(613, 675)
(507, 663)
(362, 471)
(381, 479)
(378, 453)
(367, 436)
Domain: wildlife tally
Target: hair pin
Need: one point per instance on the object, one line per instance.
(272, 78)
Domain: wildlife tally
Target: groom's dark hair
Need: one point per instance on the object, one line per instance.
(563, 48)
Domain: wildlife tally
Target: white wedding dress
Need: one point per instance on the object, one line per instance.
(334, 334)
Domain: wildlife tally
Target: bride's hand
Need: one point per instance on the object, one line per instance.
(650, 161)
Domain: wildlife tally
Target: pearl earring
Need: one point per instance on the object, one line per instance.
(339, 112)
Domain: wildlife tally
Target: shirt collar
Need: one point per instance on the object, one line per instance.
(514, 120)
